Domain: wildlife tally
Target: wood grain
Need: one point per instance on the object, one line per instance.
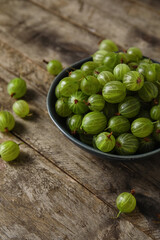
(36, 32)
(45, 37)
(104, 179)
(127, 23)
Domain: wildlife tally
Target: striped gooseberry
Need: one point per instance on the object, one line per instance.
(126, 144)
(105, 141)
(21, 108)
(133, 80)
(120, 70)
(62, 108)
(94, 122)
(108, 45)
(9, 151)
(142, 127)
(17, 88)
(54, 67)
(126, 203)
(7, 121)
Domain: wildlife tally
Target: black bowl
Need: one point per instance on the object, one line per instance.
(61, 122)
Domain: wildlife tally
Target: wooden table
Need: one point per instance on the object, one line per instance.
(54, 190)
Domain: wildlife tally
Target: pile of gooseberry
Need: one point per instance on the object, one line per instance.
(9, 150)
(113, 101)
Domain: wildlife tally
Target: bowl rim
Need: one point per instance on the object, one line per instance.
(82, 145)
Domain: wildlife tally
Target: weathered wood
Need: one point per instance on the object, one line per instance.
(30, 29)
(104, 179)
(126, 22)
(46, 37)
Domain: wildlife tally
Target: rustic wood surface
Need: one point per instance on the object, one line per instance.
(54, 190)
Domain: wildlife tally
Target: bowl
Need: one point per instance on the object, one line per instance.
(61, 123)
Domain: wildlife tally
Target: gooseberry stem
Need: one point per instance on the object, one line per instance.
(12, 94)
(118, 214)
(45, 61)
(6, 130)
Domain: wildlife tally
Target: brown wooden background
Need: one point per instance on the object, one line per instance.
(54, 190)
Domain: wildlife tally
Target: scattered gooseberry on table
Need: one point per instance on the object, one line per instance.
(9, 151)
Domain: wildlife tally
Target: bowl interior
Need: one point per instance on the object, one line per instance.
(61, 122)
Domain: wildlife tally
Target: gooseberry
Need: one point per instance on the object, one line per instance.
(17, 88)
(105, 141)
(120, 70)
(90, 85)
(133, 80)
(62, 108)
(96, 102)
(108, 45)
(142, 127)
(118, 125)
(126, 203)
(7, 121)
(54, 67)
(77, 103)
(94, 122)
(21, 108)
(9, 151)
(126, 144)
(114, 92)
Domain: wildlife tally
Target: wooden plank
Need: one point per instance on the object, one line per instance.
(126, 22)
(104, 179)
(38, 201)
(46, 36)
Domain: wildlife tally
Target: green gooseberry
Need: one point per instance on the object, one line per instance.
(74, 123)
(155, 112)
(142, 127)
(118, 125)
(114, 92)
(123, 57)
(120, 70)
(96, 102)
(57, 92)
(105, 141)
(145, 60)
(100, 69)
(77, 75)
(148, 91)
(9, 151)
(110, 110)
(133, 80)
(134, 54)
(108, 45)
(86, 138)
(77, 103)
(125, 202)
(99, 56)
(111, 60)
(88, 67)
(54, 67)
(129, 107)
(156, 131)
(105, 77)
(153, 72)
(21, 108)
(94, 122)
(133, 66)
(7, 121)
(62, 108)
(146, 144)
(142, 68)
(17, 88)
(126, 144)
(90, 85)
(67, 86)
